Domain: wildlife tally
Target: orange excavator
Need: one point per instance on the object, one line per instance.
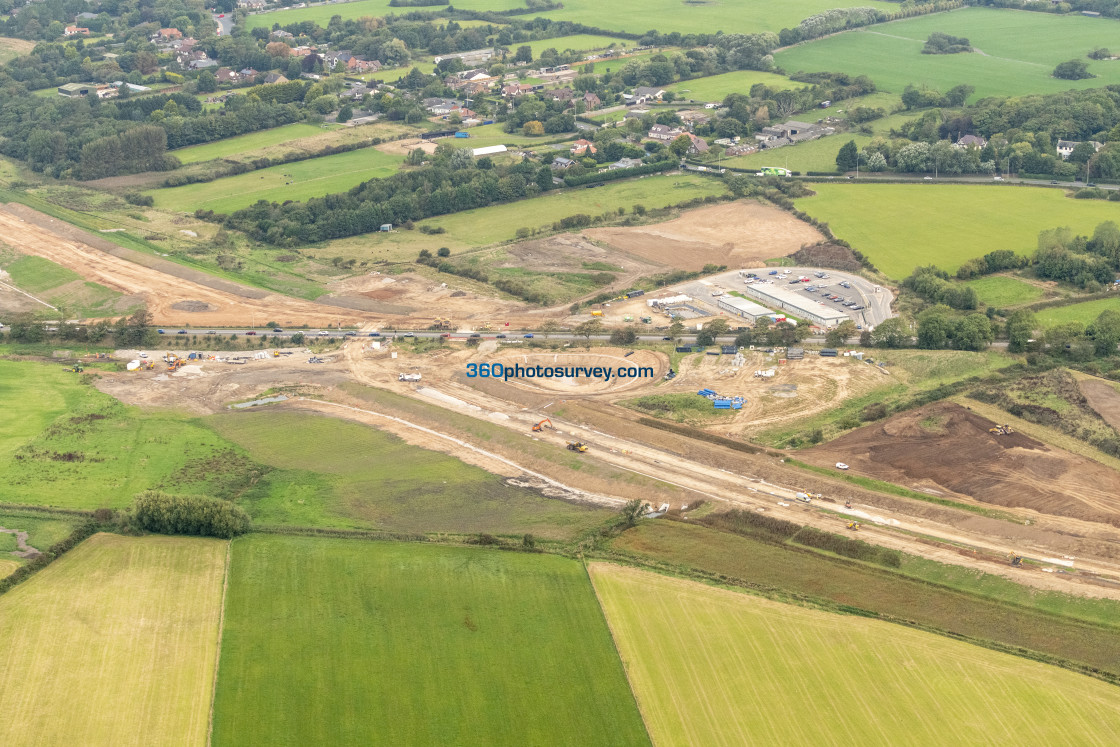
(546, 423)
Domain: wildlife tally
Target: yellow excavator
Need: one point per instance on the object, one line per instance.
(853, 525)
(546, 423)
(1015, 558)
(1001, 430)
(578, 446)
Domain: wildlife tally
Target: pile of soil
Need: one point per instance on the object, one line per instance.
(827, 255)
(194, 306)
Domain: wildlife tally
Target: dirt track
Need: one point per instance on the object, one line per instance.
(1103, 398)
(944, 449)
(736, 234)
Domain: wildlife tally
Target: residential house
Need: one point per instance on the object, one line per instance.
(625, 163)
(75, 31)
(167, 35)
(644, 94)
(664, 133)
(591, 101)
(560, 163)
(278, 34)
(439, 106)
(247, 73)
(1065, 147)
(699, 145)
(203, 63)
(225, 75)
(301, 51)
(84, 17)
(791, 132)
(356, 93)
(741, 149)
(582, 146)
(275, 78)
(562, 94)
(970, 141)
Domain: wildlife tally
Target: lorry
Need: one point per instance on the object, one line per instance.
(408, 377)
(807, 497)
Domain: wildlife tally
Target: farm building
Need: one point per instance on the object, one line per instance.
(743, 308)
(796, 304)
(489, 150)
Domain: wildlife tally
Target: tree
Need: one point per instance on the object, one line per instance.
(1073, 70)
(1082, 152)
(625, 336)
(738, 185)
(1105, 331)
(974, 332)
(717, 327)
(676, 329)
(840, 333)
(589, 328)
(704, 338)
(207, 83)
(136, 330)
(443, 252)
(345, 113)
(533, 127)
(846, 158)
(550, 327)
(934, 328)
(680, 145)
(891, 333)
(1020, 330)
(523, 54)
(297, 339)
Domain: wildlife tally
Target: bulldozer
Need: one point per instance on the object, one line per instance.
(578, 446)
(1001, 430)
(853, 525)
(546, 423)
(1015, 558)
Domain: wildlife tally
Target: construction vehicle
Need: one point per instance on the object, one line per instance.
(847, 504)
(76, 368)
(443, 322)
(1001, 430)
(853, 525)
(578, 446)
(546, 423)
(807, 497)
(1015, 558)
(596, 313)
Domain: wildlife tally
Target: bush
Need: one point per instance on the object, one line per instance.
(188, 514)
(849, 548)
(135, 198)
(752, 524)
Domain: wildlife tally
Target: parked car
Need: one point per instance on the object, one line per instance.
(143, 355)
(841, 465)
(773, 272)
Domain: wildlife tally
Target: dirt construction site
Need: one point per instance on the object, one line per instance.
(635, 457)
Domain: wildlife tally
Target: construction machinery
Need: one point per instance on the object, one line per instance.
(546, 423)
(76, 368)
(1001, 430)
(853, 525)
(847, 504)
(443, 323)
(578, 446)
(1015, 558)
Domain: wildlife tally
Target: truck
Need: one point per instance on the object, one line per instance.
(462, 134)
(773, 171)
(408, 377)
(807, 497)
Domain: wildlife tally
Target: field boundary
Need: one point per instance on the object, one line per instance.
(218, 648)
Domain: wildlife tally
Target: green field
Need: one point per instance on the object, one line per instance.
(115, 643)
(711, 667)
(1019, 51)
(59, 286)
(575, 42)
(342, 642)
(43, 530)
(954, 222)
(33, 396)
(11, 48)
(301, 180)
(1002, 291)
(235, 145)
(333, 473)
(474, 228)
(717, 87)
(35, 274)
(1079, 312)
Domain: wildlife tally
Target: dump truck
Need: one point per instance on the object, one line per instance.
(578, 446)
(408, 377)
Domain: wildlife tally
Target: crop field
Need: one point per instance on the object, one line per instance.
(335, 473)
(399, 644)
(11, 48)
(63, 443)
(1002, 291)
(474, 228)
(242, 143)
(1079, 312)
(301, 180)
(711, 666)
(956, 222)
(114, 643)
(1018, 51)
(717, 87)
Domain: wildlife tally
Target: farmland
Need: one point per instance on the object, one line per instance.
(115, 643)
(1002, 291)
(42, 530)
(717, 87)
(11, 48)
(329, 473)
(254, 140)
(955, 222)
(400, 644)
(291, 181)
(1084, 313)
(576, 43)
(474, 228)
(60, 287)
(711, 666)
(1019, 49)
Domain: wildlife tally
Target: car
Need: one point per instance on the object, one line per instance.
(858, 308)
(845, 284)
(529, 336)
(1091, 184)
(375, 334)
(997, 178)
(794, 282)
(803, 280)
(928, 178)
(351, 333)
(181, 332)
(143, 355)
(859, 326)
(666, 338)
(1053, 181)
(161, 331)
(500, 337)
(475, 335)
(773, 272)
(841, 465)
(408, 334)
(323, 333)
(446, 335)
(211, 332)
(250, 333)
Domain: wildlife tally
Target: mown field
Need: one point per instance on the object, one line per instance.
(342, 642)
(301, 180)
(11, 48)
(955, 222)
(474, 228)
(717, 87)
(711, 666)
(575, 42)
(242, 143)
(1019, 49)
(43, 530)
(332, 473)
(1079, 312)
(1002, 291)
(59, 286)
(115, 643)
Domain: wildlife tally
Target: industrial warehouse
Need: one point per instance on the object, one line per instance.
(742, 307)
(796, 304)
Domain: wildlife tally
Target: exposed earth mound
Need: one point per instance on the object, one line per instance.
(945, 448)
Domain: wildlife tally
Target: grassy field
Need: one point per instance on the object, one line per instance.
(43, 530)
(474, 228)
(35, 274)
(33, 396)
(575, 42)
(301, 180)
(335, 473)
(400, 644)
(681, 408)
(956, 222)
(115, 643)
(1079, 312)
(493, 134)
(711, 666)
(241, 143)
(717, 87)
(1019, 51)
(11, 48)
(61, 287)
(1002, 291)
